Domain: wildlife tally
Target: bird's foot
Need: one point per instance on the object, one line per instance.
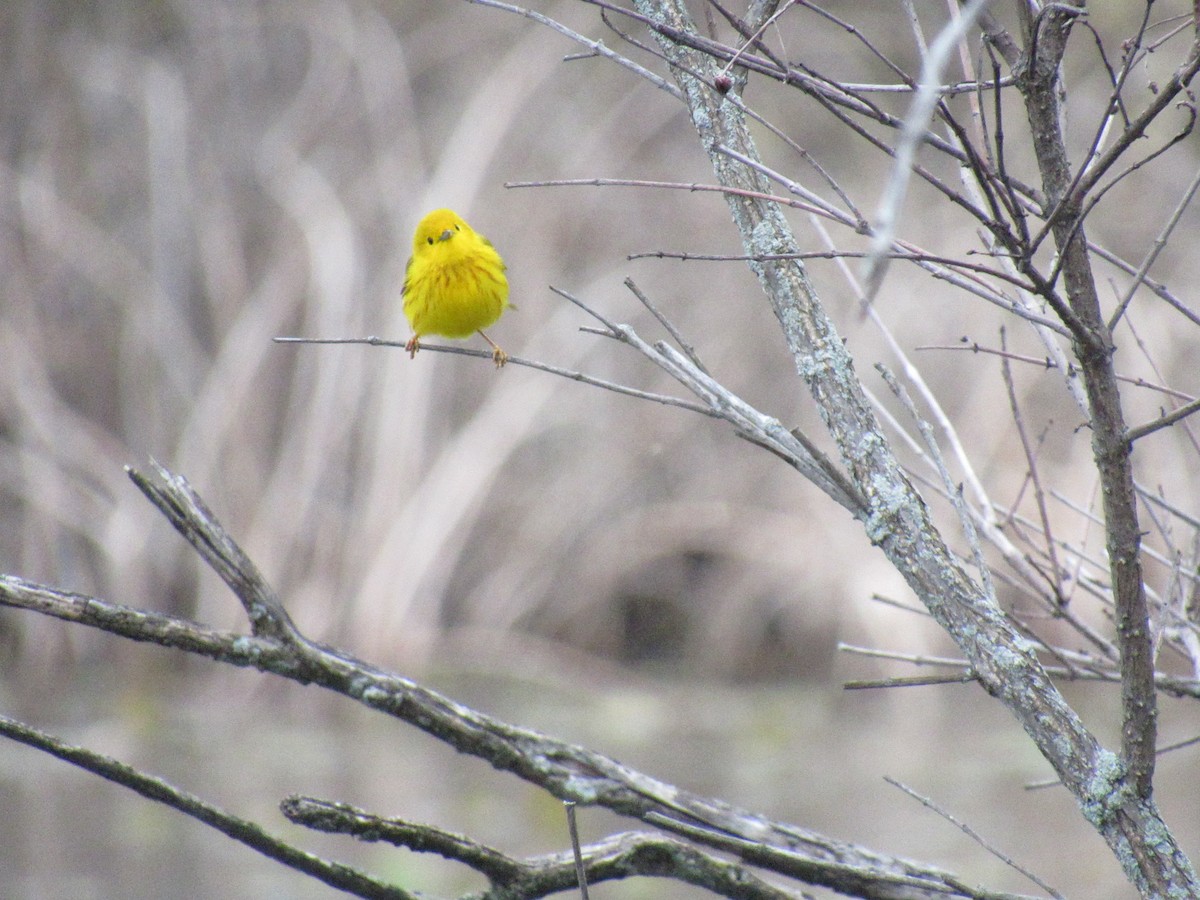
(499, 357)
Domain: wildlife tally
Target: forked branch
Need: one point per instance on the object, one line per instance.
(567, 771)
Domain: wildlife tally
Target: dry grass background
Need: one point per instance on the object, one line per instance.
(181, 182)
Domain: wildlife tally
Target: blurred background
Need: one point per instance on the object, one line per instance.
(183, 182)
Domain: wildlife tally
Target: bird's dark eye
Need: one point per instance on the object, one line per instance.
(456, 228)
(430, 241)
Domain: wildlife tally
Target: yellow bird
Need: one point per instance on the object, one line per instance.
(454, 283)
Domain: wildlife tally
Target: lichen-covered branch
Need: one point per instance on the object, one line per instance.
(616, 857)
(897, 519)
(567, 771)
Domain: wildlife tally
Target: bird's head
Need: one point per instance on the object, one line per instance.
(439, 226)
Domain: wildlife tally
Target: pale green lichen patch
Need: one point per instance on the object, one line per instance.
(762, 238)
(375, 696)
(248, 647)
(582, 790)
(888, 500)
(1106, 790)
(1009, 657)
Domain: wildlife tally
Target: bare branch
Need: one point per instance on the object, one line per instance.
(751, 424)
(688, 350)
(1056, 578)
(565, 770)
(973, 835)
(912, 135)
(596, 48)
(253, 836)
(569, 374)
(901, 525)
(617, 857)
(1039, 86)
(1160, 241)
(1136, 434)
